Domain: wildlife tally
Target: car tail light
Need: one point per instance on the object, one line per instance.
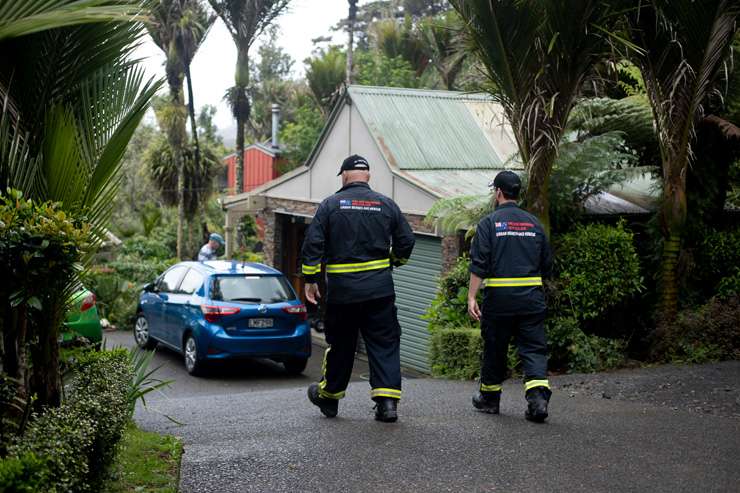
(299, 310)
(88, 302)
(214, 313)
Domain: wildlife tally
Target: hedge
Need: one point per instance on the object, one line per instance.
(69, 448)
(455, 353)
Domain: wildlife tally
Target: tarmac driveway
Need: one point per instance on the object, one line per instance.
(248, 433)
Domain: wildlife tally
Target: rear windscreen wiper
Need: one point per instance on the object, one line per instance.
(252, 300)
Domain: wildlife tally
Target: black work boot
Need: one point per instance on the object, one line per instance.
(328, 407)
(385, 410)
(537, 399)
(487, 402)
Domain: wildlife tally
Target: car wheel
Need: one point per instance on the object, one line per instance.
(141, 333)
(295, 366)
(193, 364)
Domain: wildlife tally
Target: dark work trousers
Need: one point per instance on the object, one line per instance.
(529, 336)
(377, 321)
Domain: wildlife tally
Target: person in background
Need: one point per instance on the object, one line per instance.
(209, 250)
(509, 257)
(361, 235)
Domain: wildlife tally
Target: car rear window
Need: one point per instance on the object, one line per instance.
(251, 289)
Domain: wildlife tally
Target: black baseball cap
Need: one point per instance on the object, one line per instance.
(354, 162)
(508, 182)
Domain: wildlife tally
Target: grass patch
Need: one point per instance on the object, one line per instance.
(147, 462)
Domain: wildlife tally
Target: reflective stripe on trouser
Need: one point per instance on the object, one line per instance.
(528, 332)
(376, 320)
(530, 384)
(322, 384)
(512, 282)
(490, 388)
(358, 267)
(381, 392)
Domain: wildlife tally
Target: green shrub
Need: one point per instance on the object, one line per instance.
(569, 347)
(455, 353)
(26, 473)
(713, 266)
(101, 387)
(708, 333)
(77, 441)
(117, 285)
(598, 268)
(729, 286)
(449, 308)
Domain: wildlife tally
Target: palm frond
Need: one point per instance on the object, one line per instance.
(23, 17)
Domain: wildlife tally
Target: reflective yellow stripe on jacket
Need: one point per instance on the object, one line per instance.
(309, 270)
(358, 267)
(509, 282)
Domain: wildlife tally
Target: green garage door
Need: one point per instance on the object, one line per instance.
(416, 285)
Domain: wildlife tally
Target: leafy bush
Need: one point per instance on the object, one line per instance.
(709, 333)
(598, 268)
(729, 286)
(456, 353)
(117, 284)
(69, 448)
(26, 473)
(40, 247)
(717, 254)
(569, 347)
(449, 310)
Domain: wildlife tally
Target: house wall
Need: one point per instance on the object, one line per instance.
(259, 168)
(350, 135)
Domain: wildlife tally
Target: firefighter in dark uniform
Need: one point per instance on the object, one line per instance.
(360, 235)
(509, 257)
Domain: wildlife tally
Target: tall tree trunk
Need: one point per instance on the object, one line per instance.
(191, 111)
(351, 39)
(239, 170)
(45, 380)
(180, 161)
(537, 194)
(242, 111)
(672, 219)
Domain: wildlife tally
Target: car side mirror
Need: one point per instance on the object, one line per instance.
(150, 288)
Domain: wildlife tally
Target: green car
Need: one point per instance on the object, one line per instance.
(82, 319)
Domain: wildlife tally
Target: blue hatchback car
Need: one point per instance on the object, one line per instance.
(217, 310)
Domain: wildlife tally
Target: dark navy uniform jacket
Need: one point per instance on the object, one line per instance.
(510, 252)
(360, 234)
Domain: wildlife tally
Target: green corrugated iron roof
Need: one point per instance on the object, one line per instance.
(435, 130)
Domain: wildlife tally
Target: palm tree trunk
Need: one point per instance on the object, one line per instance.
(537, 194)
(673, 219)
(241, 82)
(239, 171)
(191, 111)
(180, 199)
(351, 38)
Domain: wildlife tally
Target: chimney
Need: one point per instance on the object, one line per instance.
(275, 125)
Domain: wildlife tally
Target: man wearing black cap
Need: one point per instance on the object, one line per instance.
(359, 234)
(509, 257)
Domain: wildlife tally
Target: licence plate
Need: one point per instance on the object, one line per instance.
(260, 323)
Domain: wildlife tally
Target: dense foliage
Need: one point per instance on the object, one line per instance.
(40, 247)
(597, 271)
(69, 448)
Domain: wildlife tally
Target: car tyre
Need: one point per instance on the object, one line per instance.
(191, 352)
(141, 333)
(295, 366)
